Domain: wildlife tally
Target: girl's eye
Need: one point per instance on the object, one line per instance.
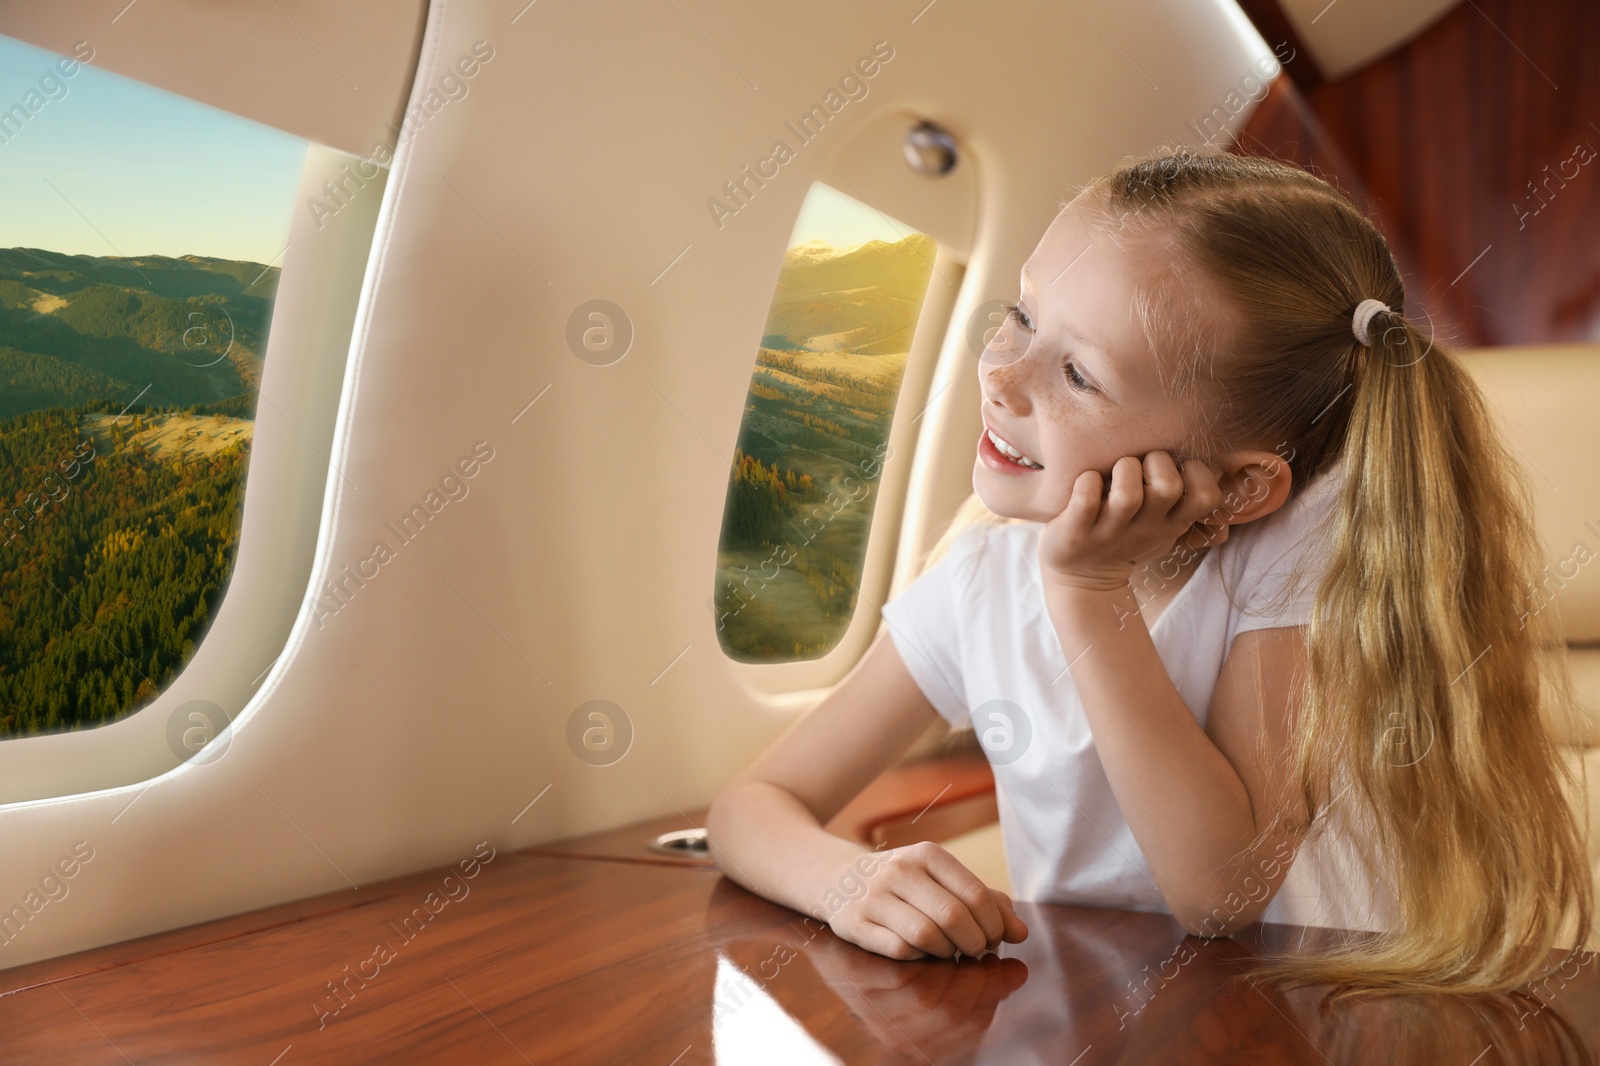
(1076, 379)
(1019, 316)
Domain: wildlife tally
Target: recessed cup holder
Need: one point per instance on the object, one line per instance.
(686, 843)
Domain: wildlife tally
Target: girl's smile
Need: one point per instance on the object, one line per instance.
(1011, 461)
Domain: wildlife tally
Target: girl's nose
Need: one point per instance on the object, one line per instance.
(1006, 385)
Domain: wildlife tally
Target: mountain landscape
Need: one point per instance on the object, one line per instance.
(127, 399)
(816, 423)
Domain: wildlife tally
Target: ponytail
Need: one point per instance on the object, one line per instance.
(1434, 679)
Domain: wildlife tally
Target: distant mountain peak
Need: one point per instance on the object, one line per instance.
(819, 250)
(813, 251)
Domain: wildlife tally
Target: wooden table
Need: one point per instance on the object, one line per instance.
(595, 951)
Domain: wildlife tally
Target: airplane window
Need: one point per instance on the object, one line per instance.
(815, 434)
(138, 264)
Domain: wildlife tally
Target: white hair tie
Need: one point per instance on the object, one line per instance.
(1364, 312)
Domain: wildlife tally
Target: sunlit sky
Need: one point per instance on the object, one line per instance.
(842, 220)
(137, 170)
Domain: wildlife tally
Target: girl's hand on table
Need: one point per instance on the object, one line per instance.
(919, 900)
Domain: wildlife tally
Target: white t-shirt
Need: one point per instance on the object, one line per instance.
(973, 630)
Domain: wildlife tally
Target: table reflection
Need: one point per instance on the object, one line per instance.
(1091, 986)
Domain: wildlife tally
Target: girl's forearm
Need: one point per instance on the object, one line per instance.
(765, 839)
(1187, 806)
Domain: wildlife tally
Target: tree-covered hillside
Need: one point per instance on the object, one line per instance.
(812, 445)
(114, 552)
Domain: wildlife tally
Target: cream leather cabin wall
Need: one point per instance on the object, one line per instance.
(431, 711)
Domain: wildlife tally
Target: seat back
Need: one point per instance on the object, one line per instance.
(1546, 401)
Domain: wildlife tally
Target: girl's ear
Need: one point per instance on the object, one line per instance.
(1253, 484)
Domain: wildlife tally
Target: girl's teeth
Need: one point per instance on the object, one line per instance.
(1011, 453)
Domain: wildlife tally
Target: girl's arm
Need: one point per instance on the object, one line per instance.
(1195, 798)
(765, 828)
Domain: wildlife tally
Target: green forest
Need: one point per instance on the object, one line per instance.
(124, 387)
(803, 485)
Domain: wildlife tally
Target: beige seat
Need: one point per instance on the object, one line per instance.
(1547, 402)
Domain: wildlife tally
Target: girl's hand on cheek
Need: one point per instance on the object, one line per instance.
(1096, 544)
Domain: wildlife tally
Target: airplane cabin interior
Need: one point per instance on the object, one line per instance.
(616, 365)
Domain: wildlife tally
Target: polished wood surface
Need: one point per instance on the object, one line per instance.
(540, 958)
(1476, 148)
(929, 799)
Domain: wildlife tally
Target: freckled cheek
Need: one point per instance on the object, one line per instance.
(1071, 441)
(1060, 409)
(1080, 440)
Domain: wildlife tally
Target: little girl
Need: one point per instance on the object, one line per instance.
(1240, 611)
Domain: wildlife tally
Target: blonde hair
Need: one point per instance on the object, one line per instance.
(1433, 674)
